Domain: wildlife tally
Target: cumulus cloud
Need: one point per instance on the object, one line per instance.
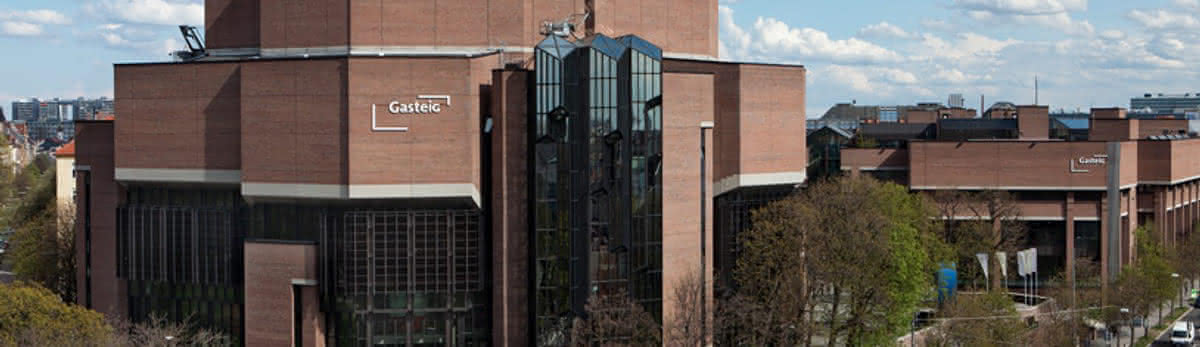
(772, 38)
(20, 29)
(867, 79)
(937, 25)
(35, 16)
(133, 37)
(1187, 4)
(1023, 7)
(29, 23)
(884, 30)
(1054, 14)
(162, 12)
(1164, 19)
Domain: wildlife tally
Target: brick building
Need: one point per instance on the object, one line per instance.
(1080, 196)
(453, 172)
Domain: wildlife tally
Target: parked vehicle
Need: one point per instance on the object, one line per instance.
(1183, 334)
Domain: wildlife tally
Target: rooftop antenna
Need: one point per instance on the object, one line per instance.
(1035, 90)
(566, 27)
(195, 43)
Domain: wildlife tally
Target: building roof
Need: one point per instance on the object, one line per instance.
(977, 124)
(66, 151)
(976, 129)
(898, 131)
(837, 131)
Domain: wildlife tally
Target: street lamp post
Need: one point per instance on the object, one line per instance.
(1179, 301)
(1130, 322)
(704, 127)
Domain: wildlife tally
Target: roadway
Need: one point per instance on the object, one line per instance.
(1165, 339)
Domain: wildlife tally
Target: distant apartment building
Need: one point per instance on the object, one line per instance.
(58, 131)
(1166, 103)
(60, 109)
(850, 115)
(25, 109)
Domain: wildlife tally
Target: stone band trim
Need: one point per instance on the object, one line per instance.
(730, 183)
(362, 191)
(178, 175)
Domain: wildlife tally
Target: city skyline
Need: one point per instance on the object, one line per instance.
(1084, 53)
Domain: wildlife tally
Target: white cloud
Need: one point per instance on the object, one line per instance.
(1164, 19)
(20, 29)
(1193, 5)
(937, 25)
(1112, 34)
(775, 35)
(967, 48)
(884, 30)
(866, 79)
(773, 39)
(1054, 14)
(133, 37)
(1023, 7)
(35, 16)
(163, 12)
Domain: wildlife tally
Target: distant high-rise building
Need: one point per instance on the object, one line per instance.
(956, 100)
(25, 109)
(58, 109)
(1165, 103)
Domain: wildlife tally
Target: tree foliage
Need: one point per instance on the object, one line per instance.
(34, 316)
(1145, 284)
(615, 320)
(42, 249)
(980, 222)
(849, 255)
(987, 319)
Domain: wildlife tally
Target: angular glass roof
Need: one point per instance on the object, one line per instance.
(605, 45)
(1074, 123)
(641, 45)
(557, 46)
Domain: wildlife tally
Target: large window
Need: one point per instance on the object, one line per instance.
(180, 251)
(733, 212)
(406, 278)
(597, 177)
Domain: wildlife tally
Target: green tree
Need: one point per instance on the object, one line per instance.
(43, 252)
(34, 316)
(42, 249)
(980, 222)
(866, 242)
(987, 319)
(1146, 284)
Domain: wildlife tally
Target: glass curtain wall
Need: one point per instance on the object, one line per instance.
(180, 252)
(399, 277)
(597, 208)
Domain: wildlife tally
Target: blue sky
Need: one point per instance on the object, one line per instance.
(1085, 53)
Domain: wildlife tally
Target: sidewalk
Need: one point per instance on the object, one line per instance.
(1151, 321)
(1123, 331)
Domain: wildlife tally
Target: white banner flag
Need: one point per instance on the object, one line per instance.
(983, 262)
(1032, 260)
(1021, 265)
(1002, 258)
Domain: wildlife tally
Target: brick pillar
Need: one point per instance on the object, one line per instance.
(1160, 212)
(1070, 220)
(1102, 211)
(1129, 226)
